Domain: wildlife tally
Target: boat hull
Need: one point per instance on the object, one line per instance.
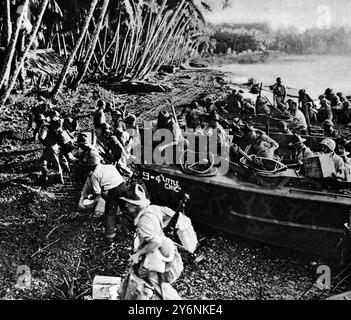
(309, 223)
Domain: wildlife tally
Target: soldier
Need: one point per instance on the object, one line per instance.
(306, 104)
(117, 116)
(279, 92)
(88, 151)
(344, 115)
(300, 151)
(194, 118)
(328, 147)
(329, 94)
(166, 121)
(325, 111)
(261, 145)
(38, 116)
(233, 104)
(299, 120)
(214, 127)
(329, 130)
(149, 223)
(49, 137)
(99, 116)
(133, 131)
(341, 97)
(106, 182)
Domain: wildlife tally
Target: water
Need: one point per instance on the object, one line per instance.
(313, 73)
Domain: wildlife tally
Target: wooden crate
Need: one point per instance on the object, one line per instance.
(320, 166)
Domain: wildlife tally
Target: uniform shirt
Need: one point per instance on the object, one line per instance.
(264, 146)
(299, 119)
(339, 165)
(325, 113)
(105, 177)
(279, 90)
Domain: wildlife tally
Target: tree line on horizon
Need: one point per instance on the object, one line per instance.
(259, 36)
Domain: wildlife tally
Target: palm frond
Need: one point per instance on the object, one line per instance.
(207, 6)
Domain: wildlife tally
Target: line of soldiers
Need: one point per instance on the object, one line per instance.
(104, 170)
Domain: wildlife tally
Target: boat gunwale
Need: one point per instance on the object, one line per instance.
(277, 191)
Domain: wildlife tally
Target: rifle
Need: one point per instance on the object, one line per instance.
(170, 229)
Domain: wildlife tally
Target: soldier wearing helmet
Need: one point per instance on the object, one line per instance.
(329, 130)
(325, 112)
(328, 147)
(106, 182)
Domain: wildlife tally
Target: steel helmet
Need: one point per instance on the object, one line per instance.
(329, 143)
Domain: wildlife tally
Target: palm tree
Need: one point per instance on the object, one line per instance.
(72, 56)
(19, 65)
(11, 49)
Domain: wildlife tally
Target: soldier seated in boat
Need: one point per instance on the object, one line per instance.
(166, 121)
(329, 93)
(340, 151)
(299, 122)
(260, 144)
(328, 147)
(307, 106)
(329, 130)
(233, 102)
(248, 107)
(344, 115)
(325, 111)
(341, 97)
(194, 118)
(262, 106)
(215, 127)
(300, 151)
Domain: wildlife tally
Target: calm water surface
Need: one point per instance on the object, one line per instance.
(314, 73)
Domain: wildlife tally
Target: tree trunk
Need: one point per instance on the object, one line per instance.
(7, 31)
(70, 61)
(94, 42)
(23, 57)
(5, 71)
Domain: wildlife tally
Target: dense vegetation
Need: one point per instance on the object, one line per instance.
(115, 39)
(228, 38)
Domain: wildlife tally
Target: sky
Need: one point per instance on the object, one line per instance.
(301, 14)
